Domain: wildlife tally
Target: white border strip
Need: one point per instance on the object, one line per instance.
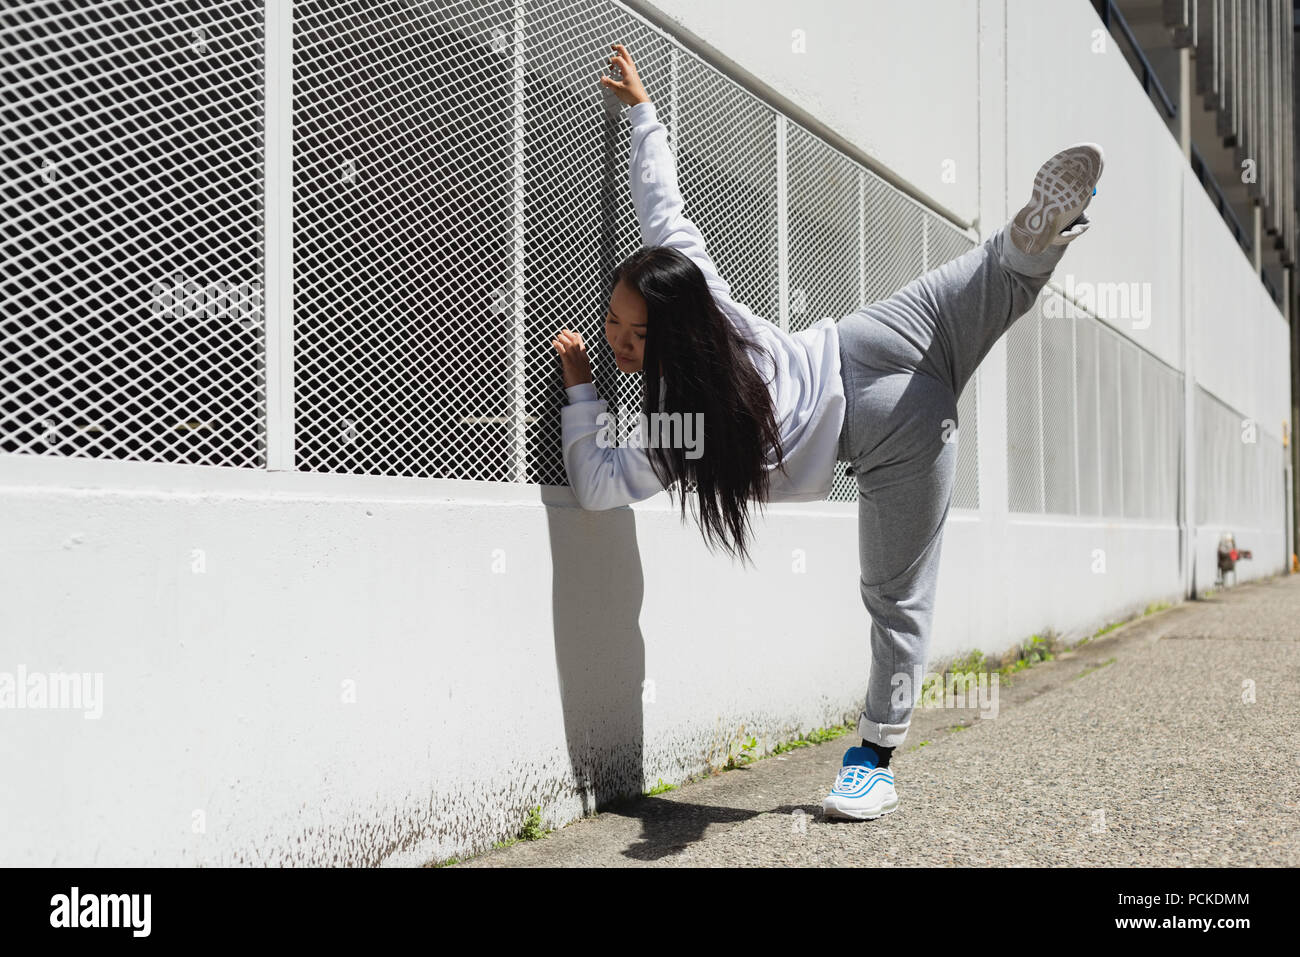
(277, 210)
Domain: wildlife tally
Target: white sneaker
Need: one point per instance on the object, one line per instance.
(860, 793)
(1063, 188)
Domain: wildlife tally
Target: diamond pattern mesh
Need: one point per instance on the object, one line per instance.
(131, 319)
(1087, 416)
(726, 157)
(825, 217)
(1130, 427)
(1240, 482)
(1161, 441)
(406, 279)
(1060, 470)
(966, 486)
(901, 241)
(1094, 423)
(1110, 414)
(459, 193)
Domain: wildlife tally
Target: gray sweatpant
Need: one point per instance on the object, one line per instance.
(904, 361)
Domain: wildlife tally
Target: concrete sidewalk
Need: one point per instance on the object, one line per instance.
(1138, 749)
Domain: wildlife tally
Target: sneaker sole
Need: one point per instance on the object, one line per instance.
(1063, 187)
(855, 814)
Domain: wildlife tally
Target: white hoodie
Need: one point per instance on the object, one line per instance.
(806, 389)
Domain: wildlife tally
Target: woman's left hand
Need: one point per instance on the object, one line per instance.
(573, 357)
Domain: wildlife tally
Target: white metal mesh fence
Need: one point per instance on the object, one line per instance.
(1162, 440)
(1089, 429)
(966, 484)
(726, 145)
(1239, 482)
(1025, 413)
(460, 194)
(1094, 423)
(131, 323)
(1129, 424)
(827, 218)
(1058, 401)
(854, 239)
(1109, 413)
(408, 291)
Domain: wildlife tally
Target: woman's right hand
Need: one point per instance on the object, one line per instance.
(574, 363)
(629, 88)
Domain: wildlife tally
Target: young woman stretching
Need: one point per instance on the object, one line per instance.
(878, 389)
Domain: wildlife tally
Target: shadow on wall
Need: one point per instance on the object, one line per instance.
(596, 575)
(596, 592)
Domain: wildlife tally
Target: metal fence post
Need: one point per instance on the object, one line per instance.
(519, 332)
(278, 229)
(782, 225)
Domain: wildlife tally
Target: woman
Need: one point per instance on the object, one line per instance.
(878, 390)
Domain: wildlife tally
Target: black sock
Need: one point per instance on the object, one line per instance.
(882, 754)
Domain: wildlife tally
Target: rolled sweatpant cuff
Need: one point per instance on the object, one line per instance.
(1022, 262)
(885, 735)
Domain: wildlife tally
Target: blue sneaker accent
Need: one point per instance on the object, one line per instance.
(860, 755)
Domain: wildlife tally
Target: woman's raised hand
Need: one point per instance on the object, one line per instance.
(573, 357)
(629, 88)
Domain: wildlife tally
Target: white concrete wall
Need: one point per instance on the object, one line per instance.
(500, 639)
(857, 67)
(1240, 339)
(1060, 91)
(477, 692)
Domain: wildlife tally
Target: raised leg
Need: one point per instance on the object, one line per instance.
(904, 361)
(944, 322)
(976, 297)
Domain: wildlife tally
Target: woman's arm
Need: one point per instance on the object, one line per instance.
(652, 174)
(601, 474)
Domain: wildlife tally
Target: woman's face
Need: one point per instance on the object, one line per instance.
(625, 327)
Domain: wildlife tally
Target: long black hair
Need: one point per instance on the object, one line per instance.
(705, 361)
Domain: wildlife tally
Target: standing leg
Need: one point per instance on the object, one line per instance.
(904, 489)
(905, 478)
